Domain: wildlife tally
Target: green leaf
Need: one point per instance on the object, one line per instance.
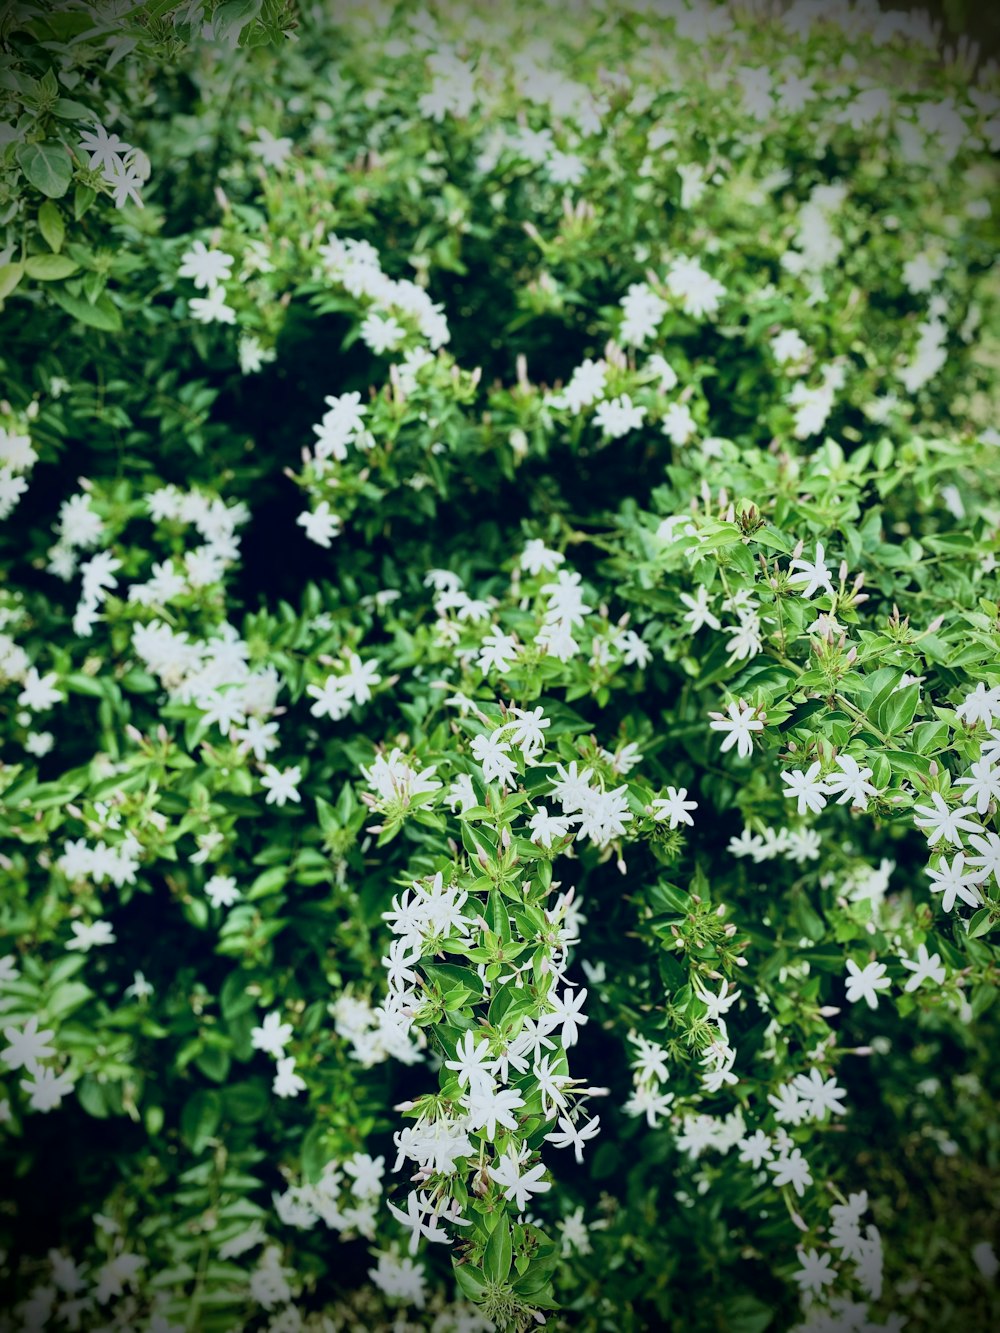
(232, 16)
(103, 314)
(981, 923)
(10, 276)
(246, 1102)
(200, 1118)
(499, 1251)
(67, 109)
(48, 167)
(470, 1281)
(896, 712)
(213, 1063)
(50, 268)
(91, 1097)
(83, 197)
(51, 225)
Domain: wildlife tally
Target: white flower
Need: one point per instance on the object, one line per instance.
(286, 1082)
(359, 678)
(88, 937)
(815, 1272)
(489, 1107)
(473, 1064)
(566, 1013)
(320, 524)
(715, 1005)
(988, 863)
(252, 354)
(39, 692)
(789, 1108)
(678, 423)
(927, 967)
(333, 698)
(741, 723)
(983, 785)
(140, 989)
(813, 574)
(106, 150)
(27, 1045)
(586, 385)
(498, 652)
(495, 758)
(618, 416)
(212, 308)
(366, 1172)
(698, 293)
(674, 806)
(980, 705)
(942, 822)
(634, 650)
(206, 268)
(545, 827)
(699, 614)
(528, 730)
(46, 1088)
(791, 1169)
(281, 786)
(986, 1260)
(271, 151)
(272, 1036)
(755, 1149)
(382, 333)
(221, 891)
(820, 1095)
(536, 558)
(643, 312)
(788, 347)
(517, 1186)
(570, 1135)
(954, 881)
(851, 782)
(865, 983)
(807, 787)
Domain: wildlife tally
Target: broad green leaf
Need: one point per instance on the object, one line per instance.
(48, 166)
(50, 268)
(51, 225)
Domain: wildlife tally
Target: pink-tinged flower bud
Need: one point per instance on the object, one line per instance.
(935, 625)
(842, 571)
(829, 1011)
(800, 546)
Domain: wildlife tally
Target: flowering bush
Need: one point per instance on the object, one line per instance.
(500, 661)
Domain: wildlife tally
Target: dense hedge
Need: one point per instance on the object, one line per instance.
(500, 668)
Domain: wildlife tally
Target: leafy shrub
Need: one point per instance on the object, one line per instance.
(501, 661)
